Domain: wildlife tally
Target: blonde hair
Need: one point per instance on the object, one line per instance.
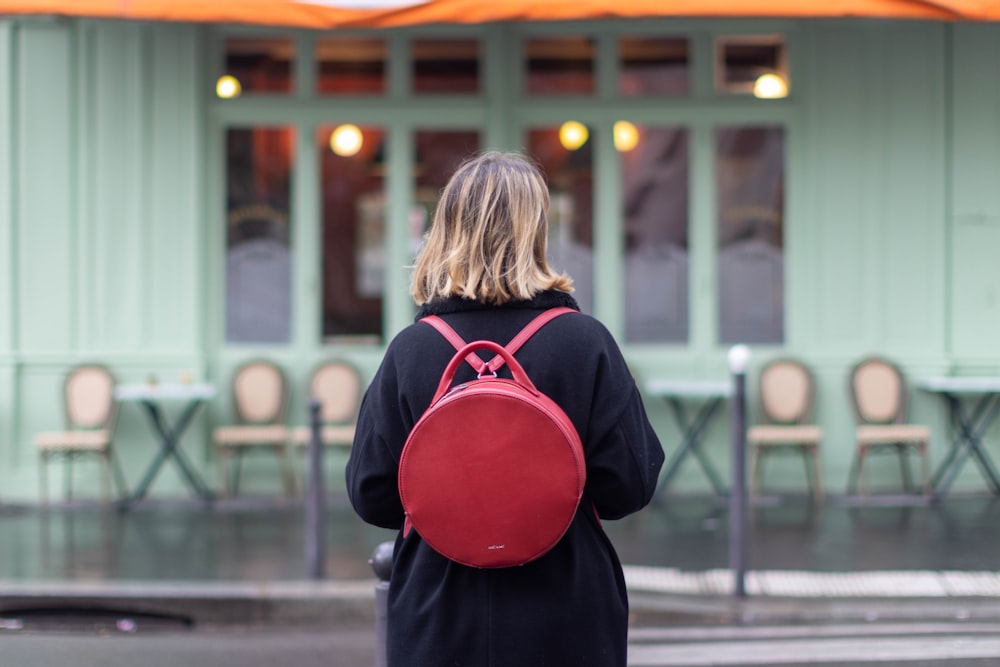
(489, 235)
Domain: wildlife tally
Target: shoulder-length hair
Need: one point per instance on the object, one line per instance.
(489, 235)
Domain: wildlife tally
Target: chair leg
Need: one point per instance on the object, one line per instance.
(925, 468)
(237, 471)
(904, 467)
(287, 476)
(852, 474)
(817, 473)
(68, 478)
(862, 475)
(43, 476)
(755, 470)
(106, 474)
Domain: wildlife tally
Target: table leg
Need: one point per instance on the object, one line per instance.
(691, 443)
(169, 441)
(968, 430)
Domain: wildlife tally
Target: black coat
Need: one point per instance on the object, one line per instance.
(568, 608)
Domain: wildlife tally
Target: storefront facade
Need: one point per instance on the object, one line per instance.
(150, 222)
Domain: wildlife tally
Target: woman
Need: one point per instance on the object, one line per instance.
(483, 270)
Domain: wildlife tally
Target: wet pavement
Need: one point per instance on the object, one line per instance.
(262, 539)
(167, 557)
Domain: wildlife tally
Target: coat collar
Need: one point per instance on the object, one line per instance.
(456, 304)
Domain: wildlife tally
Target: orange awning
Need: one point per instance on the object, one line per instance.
(291, 13)
(478, 11)
(393, 13)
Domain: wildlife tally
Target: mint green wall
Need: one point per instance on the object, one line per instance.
(101, 232)
(111, 201)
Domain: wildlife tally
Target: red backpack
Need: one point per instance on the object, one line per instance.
(492, 473)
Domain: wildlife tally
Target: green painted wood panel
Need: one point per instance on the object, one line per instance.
(975, 203)
(172, 312)
(975, 298)
(911, 192)
(975, 122)
(876, 156)
(8, 147)
(841, 153)
(46, 210)
(119, 223)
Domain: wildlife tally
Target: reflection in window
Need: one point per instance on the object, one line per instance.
(350, 66)
(570, 175)
(352, 167)
(655, 182)
(439, 154)
(559, 66)
(741, 60)
(750, 167)
(261, 64)
(258, 259)
(653, 66)
(446, 66)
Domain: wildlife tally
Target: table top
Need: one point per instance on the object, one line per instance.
(681, 388)
(165, 391)
(960, 385)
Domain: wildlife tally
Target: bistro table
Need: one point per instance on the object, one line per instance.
(151, 396)
(968, 425)
(709, 394)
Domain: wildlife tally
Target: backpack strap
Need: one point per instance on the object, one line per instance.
(457, 341)
(491, 367)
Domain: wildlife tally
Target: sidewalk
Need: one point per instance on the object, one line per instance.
(243, 561)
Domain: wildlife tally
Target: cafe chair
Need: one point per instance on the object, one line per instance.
(877, 389)
(336, 385)
(786, 393)
(260, 402)
(90, 412)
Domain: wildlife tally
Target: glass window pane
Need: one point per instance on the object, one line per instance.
(446, 66)
(261, 64)
(655, 203)
(653, 66)
(750, 169)
(258, 257)
(439, 154)
(559, 66)
(350, 66)
(570, 175)
(352, 168)
(741, 60)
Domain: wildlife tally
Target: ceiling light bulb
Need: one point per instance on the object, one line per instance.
(626, 136)
(572, 135)
(770, 86)
(346, 140)
(228, 87)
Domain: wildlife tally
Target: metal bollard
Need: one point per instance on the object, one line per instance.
(739, 356)
(381, 563)
(315, 520)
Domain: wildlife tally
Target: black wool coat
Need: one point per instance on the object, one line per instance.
(568, 608)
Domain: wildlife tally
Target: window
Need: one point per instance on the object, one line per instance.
(741, 62)
(653, 66)
(559, 66)
(655, 211)
(570, 174)
(260, 64)
(439, 154)
(350, 66)
(445, 66)
(750, 193)
(352, 161)
(258, 257)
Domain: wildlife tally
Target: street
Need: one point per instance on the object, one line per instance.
(969, 644)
